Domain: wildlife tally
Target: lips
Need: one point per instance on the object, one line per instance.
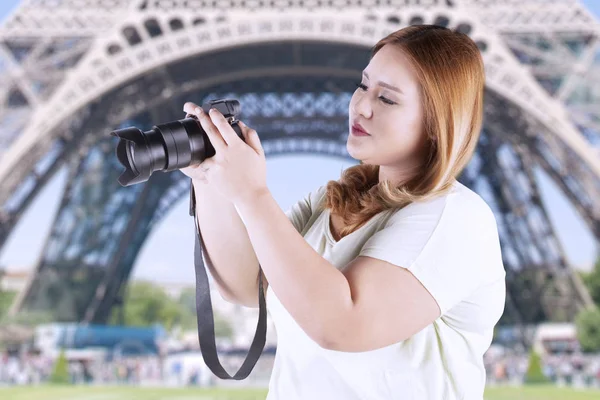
(357, 127)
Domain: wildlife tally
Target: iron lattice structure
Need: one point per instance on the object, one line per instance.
(73, 70)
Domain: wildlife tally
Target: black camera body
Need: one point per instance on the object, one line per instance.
(169, 146)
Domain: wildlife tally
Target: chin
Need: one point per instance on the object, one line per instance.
(359, 157)
(352, 152)
(357, 153)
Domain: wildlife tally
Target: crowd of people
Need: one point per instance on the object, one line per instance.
(508, 368)
(577, 370)
(24, 369)
(31, 369)
(186, 369)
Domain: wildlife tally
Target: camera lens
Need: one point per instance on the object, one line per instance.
(167, 147)
(131, 154)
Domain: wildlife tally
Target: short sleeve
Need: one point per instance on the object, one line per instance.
(450, 245)
(301, 212)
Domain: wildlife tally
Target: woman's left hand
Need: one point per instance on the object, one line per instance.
(238, 170)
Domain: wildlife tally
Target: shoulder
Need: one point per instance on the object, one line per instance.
(468, 213)
(467, 233)
(466, 200)
(458, 225)
(319, 193)
(449, 243)
(458, 209)
(317, 197)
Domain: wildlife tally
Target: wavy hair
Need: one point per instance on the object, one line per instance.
(451, 79)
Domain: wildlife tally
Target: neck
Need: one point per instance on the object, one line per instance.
(397, 175)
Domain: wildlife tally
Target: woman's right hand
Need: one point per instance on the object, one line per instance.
(196, 171)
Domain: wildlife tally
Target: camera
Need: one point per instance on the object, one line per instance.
(169, 146)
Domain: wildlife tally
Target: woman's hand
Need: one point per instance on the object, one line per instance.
(238, 170)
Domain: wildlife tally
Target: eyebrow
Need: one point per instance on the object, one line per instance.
(386, 85)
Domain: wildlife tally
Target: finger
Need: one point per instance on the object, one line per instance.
(215, 137)
(254, 142)
(227, 132)
(194, 172)
(245, 132)
(251, 138)
(244, 128)
(189, 107)
(207, 163)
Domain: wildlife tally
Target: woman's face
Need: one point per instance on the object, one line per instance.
(388, 107)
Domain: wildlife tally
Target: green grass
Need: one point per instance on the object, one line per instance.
(127, 393)
(540, 392)
(134, 393)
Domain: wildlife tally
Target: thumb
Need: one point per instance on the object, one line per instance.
(207, 163)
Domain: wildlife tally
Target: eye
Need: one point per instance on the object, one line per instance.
(361, 86)
(386, 101)
(364, 88)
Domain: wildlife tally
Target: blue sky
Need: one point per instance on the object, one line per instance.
(167, 255)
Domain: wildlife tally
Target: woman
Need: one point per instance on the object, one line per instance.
(386, 284)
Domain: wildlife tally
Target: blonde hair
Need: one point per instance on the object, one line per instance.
(451, 78)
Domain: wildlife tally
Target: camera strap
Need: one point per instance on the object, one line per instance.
(205, 318)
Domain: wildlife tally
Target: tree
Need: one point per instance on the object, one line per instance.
(147, 304)
(535, 374)
(60, 372)
(592, 282)
(29, 319)
(588, 329)
(187, 299)
(6, 299)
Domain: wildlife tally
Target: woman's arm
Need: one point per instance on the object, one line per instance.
(349, 311)
(234, 265)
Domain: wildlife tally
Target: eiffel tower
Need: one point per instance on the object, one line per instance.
(71, 71)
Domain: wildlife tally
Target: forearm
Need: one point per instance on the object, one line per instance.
(235, 267)
(312, 290)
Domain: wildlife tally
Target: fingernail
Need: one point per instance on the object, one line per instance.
(199, 110)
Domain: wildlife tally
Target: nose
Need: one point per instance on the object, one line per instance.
(361, 105)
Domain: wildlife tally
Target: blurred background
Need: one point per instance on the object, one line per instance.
(97, 293)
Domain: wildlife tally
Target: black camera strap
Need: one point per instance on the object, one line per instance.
(205, 318)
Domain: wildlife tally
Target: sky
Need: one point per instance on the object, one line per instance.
(167, 255)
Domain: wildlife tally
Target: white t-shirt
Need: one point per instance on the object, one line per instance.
(451, 245)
